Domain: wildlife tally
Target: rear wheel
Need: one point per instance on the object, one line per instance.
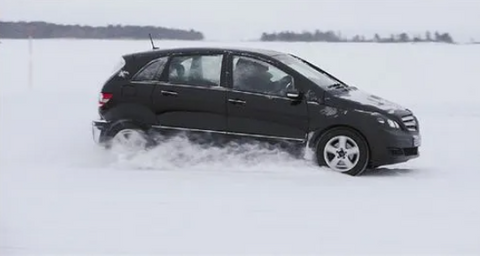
(343, 150)
(128, 136)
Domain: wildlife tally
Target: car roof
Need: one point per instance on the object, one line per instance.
(163, 51)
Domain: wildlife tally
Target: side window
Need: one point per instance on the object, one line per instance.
(197, 70)
(151, 71)
(253, 75)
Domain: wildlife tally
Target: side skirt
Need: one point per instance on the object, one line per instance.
(221, 138)
(162, 127)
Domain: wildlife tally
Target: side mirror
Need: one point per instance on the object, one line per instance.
(292, 92)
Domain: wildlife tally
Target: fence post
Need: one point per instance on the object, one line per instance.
(30, 62)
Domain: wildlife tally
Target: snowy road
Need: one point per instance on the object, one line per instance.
(60, 194)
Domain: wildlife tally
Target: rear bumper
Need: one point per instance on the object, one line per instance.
(395, 146)
(99, 128)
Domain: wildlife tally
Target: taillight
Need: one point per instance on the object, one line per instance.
(104, 98)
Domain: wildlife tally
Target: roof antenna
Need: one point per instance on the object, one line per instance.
(151, 41)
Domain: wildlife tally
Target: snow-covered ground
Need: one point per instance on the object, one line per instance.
(61, 194)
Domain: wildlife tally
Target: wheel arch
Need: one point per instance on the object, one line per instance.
(317, 135)
(137, 113)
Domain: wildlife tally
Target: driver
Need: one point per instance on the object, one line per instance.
(252, 76)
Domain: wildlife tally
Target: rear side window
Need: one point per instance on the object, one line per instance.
(196, 70)
(151, 71)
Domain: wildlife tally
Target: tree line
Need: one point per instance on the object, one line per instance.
(330, 36)
(18, 30)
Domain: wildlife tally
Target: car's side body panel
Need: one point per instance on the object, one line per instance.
(272, 116)
(264, 115)
(190, 107)
(186, 106)
(131, 111)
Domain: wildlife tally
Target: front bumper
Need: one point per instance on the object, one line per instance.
(99, 127)
(394, 146)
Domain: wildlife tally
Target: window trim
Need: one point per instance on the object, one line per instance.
(259, 94)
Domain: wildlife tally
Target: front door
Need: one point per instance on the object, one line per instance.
(257, 104)
(191, 95)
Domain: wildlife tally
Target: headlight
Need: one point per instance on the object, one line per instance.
(393, 124)
(383, 120)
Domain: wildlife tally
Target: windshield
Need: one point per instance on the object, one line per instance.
(323, 80)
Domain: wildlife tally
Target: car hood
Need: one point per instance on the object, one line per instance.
(362, 100)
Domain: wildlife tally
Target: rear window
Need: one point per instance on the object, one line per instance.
(151, 71)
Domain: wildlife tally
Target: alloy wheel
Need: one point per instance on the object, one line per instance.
(341, 153)
(130, 139)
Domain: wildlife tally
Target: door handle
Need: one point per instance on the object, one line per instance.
(168, 93)
(237, 102)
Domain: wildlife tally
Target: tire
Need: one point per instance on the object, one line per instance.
(127, 135)
(343, 150)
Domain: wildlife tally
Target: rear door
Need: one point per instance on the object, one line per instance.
(139, 89)
(257, 104)
(191, 94)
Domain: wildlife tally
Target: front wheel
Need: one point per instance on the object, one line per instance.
(343, 150)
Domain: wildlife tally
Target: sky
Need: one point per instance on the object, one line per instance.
(247, 19)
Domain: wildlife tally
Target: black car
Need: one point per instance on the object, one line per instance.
(257, 94)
